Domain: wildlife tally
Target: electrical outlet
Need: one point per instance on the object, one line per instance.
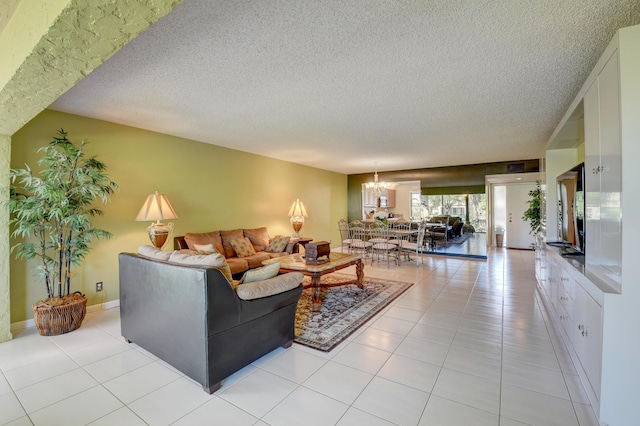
(99, 286)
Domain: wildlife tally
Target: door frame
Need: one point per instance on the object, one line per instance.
(504, 179)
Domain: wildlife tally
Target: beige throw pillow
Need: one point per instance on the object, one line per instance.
(262, 273)
(279, 244)
(277, 285)
(205, 248)
(243, 247)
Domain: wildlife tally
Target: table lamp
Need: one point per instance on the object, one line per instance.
(297, 214)
(157, 207)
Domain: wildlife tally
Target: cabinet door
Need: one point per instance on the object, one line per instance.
(592, 177)
(587, 337)
(611, 168)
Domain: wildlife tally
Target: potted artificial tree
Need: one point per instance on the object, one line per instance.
(533, 213)
(53, 212)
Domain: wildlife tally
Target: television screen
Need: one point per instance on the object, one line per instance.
(571, 207)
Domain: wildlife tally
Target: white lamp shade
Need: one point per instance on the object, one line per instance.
(156, 207)
(297, 209)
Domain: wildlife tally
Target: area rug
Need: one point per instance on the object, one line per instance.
(344, 309)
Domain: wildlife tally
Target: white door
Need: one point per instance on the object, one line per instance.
(517, 233)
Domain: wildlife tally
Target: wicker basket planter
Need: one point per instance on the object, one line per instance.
(59, 315)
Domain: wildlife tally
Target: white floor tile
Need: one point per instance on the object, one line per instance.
(410, 372)
(477, 363)
(443, 412)
(379, 339)
(392, 402)
(363, 358)
(217, 411)
(50, 391)
(4, 385)
(39, 371)
(10, 408)
(103, 349)
(36, 349)
(169, 403)
(355, 417)
(339, 382)
(121, 417)
(423, 350)
(443, 336)
(538, 379)
(314, 408)
(140, 382)
(258, 393)
(84, 336)
(294, 365)
(79, 409)
(470, 390)
(393, 325)
(117, 365)
(22, 421)
(536, 408)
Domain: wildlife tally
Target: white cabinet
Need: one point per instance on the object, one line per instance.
(577, 316)
(603, 170)
(587, 337)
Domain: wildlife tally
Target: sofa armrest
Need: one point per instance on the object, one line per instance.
(276, 285)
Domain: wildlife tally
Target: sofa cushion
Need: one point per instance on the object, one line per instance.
(207, 260)
(279, 244)
(237, 265)
(205, 238)
(243, 247)
(264, 288)
(227, 237)
(255, 261)
(259, 237)
(205, 248)
(262, 273)
(154, 253)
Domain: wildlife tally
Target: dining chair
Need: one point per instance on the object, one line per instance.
(409, 247)
(382, 245)
(343, 227)
(359, 235)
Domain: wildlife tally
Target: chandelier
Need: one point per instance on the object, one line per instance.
(377, 188)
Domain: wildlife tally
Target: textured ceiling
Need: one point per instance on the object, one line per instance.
(342, 85)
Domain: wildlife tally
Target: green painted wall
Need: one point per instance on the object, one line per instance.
(210, 187)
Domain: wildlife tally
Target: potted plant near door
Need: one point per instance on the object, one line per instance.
(52, 211)
(533, 213)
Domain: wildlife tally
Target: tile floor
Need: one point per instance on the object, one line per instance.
(468, 344)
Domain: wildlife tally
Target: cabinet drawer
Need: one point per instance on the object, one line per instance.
(566, 322)
(565, 300)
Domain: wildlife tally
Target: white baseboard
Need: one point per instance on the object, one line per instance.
(22, 325)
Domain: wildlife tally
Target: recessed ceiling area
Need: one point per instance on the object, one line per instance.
(342, 85)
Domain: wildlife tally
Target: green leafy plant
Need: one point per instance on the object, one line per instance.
(55, 210)
(532, 214)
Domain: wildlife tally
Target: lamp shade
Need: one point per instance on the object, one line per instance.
(156, 207)
(297, 209)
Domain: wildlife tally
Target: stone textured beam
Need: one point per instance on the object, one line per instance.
(84, 35)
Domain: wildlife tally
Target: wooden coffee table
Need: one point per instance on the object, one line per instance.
(337, 261)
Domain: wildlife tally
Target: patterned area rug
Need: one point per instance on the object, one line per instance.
(344, 309)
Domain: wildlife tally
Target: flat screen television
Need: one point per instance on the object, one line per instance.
(571, 221)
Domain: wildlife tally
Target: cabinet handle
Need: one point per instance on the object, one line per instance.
(580, 327)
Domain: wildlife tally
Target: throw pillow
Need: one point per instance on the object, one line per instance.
(209, 260)
(205, 248)
(259, 237)
(262, 273)
(279, 244)
(243, 247)
(277, 285)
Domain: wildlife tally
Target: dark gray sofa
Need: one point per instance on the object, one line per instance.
(192, 318)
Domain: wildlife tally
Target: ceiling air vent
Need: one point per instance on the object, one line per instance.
(515, 168)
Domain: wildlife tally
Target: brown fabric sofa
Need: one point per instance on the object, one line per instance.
(221, 241)
(455, 222)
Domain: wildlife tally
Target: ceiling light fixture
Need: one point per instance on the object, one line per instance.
(376, 187)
